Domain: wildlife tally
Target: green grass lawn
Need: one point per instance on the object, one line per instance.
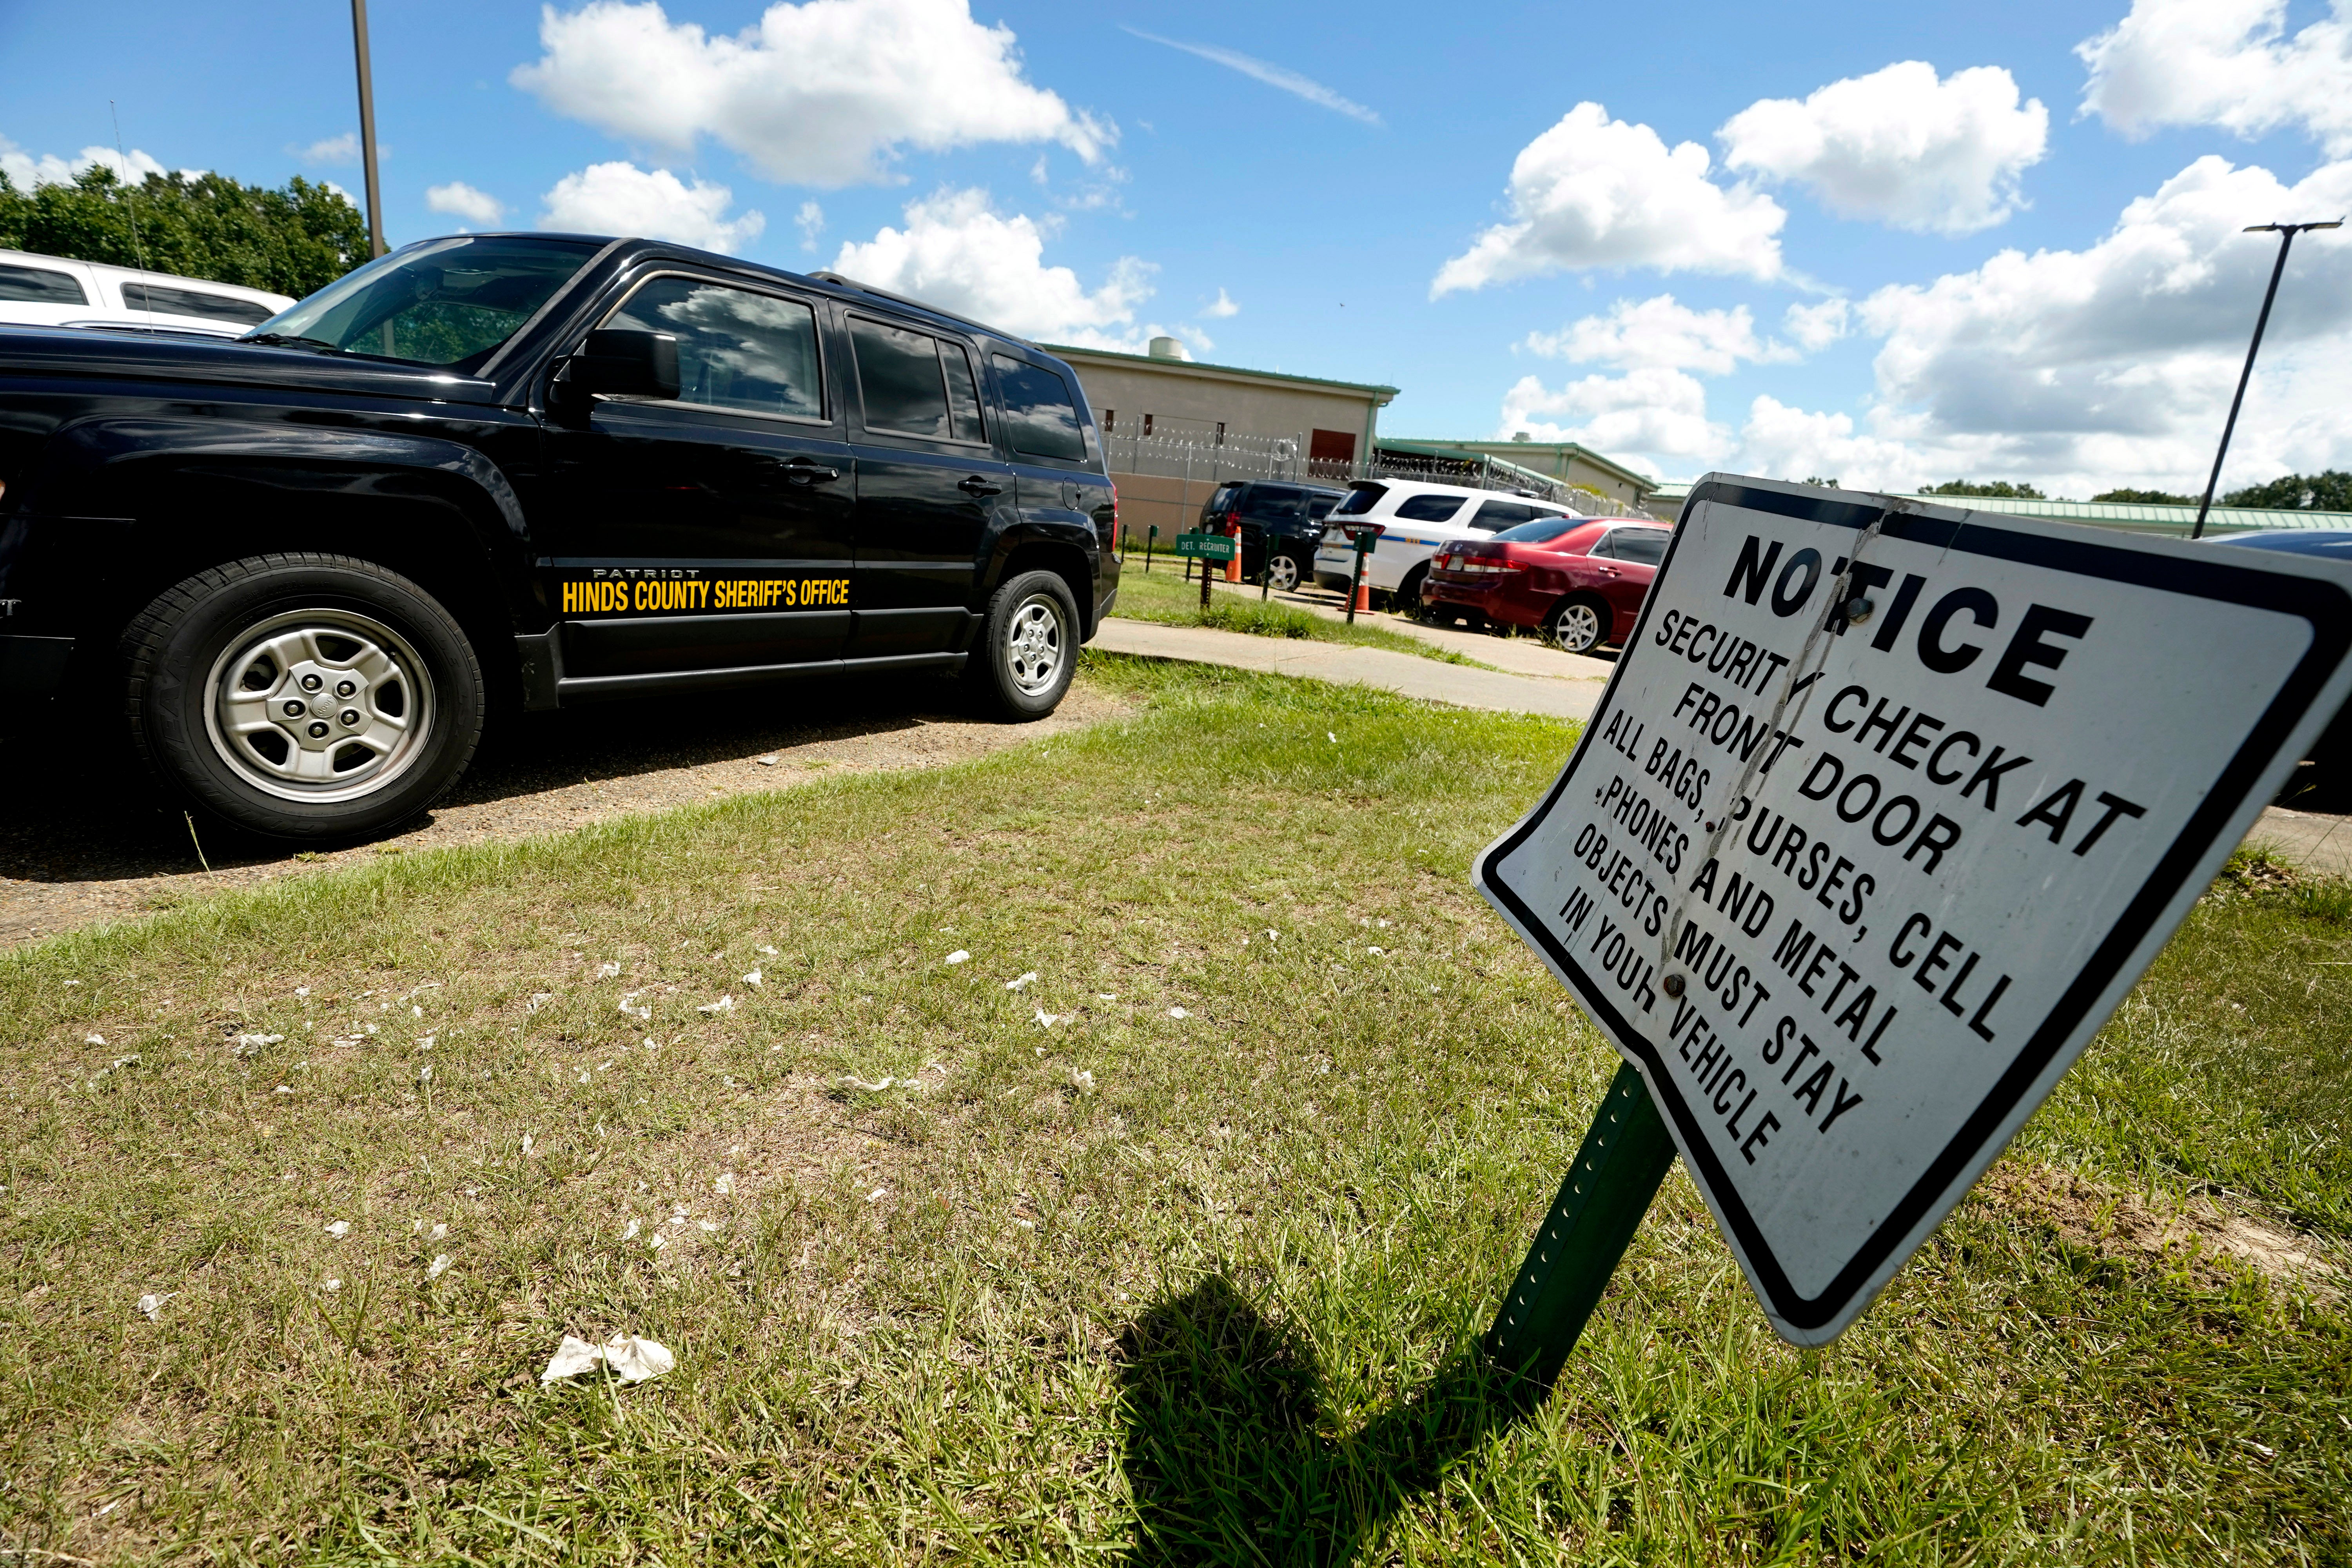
(1163, 595)
(1122, 1285)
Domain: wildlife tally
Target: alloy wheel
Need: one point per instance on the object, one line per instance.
(318, 705)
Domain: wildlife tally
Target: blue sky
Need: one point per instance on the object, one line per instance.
(2016, 258)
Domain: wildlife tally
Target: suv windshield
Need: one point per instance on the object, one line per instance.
(449, 302)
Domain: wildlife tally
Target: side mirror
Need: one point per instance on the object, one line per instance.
(633, 364)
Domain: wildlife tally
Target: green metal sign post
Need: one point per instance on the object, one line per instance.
(1207, 547)
(1624, 1158)
(1367, 539)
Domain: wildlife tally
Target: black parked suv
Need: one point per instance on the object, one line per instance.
(1289, 515)
(528, 471)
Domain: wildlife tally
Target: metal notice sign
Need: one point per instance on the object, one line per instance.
(1885, 810)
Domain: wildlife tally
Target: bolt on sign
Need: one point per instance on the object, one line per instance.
(1885, 808)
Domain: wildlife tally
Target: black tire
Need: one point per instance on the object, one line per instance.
(215, 667)
(1027, 650)
(1578, 623)
(1406, 598)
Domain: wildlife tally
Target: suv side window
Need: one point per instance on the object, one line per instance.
(1041, 417)
(899, 372)
(1428, 508)
(736, 349)
(40, 286)
(1500, 514)
(154, 297)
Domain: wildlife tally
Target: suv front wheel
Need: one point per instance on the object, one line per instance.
(302, 695)
(1028, 649)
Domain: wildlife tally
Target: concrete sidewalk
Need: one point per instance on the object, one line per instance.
(1403, 673)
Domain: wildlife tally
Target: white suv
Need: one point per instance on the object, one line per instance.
(1415, 519)
(52, 291)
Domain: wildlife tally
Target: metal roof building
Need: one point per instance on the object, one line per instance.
(2140, 517)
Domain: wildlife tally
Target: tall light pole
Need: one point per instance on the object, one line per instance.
(367, 131)
(2286, 233)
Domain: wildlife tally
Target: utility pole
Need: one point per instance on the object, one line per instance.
(367, 131)
(2286, 233)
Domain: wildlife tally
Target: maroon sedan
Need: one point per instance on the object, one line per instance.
(1580, 579)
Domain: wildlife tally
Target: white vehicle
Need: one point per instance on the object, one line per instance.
(51, 291)
(1415, 519)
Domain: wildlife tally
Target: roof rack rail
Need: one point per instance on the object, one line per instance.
(840, 281)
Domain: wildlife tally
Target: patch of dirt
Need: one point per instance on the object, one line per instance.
(2120, 1225)
(81, 843)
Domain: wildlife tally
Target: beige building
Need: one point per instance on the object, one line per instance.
(1173, 428)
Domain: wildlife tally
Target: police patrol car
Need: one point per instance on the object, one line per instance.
(523, 471)
(1415, 519)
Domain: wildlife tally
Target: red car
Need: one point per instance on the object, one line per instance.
(1582, 579)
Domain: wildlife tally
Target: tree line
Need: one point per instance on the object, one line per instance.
(292, 240)
(2330, 491)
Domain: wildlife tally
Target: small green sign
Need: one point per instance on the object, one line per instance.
(1208, 546)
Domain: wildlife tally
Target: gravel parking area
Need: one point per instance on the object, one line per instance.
(88, 842)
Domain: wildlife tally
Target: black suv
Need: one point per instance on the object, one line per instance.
(527, 471)
(1290, 515)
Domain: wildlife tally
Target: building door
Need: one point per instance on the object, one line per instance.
(1331, 454)
(711, 530)
(931, 489)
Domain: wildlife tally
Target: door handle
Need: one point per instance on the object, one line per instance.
(978, 486)
(802, 471)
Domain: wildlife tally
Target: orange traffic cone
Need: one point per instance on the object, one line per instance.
(1363, 598)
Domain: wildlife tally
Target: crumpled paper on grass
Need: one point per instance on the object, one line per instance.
(631, 1359)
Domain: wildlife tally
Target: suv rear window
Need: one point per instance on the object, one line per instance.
(195, 303)
(1041, 417)
(1360, 499)
(40, 285)
(1429, 508)
(1274, 503)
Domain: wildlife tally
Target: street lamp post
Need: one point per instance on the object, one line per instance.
(2286, 233)
(367, 130)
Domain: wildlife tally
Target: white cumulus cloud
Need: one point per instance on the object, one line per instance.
(2230, 63)
(957, 251)
(343, 149)
(1899, 146)
(24, 170)
(825, 93)
(1783, 442)
(810, 221)
(2120, 358)
(459, 199)
(1634, 417)
(651, 203)
(1223, 306)
(1817, 326)
(1595, 192)
(1659, 331)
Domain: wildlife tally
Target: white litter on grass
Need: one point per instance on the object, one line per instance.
(958, 956)
(340, 1229)
(439, 1231)
(657, 1241)
(1375, 950)
(765, 761)
(724, 1005)
(628, 1358)
(1331, 737)
(282, 1089)
(416, 1012)
(769, 952)
(540, 999)
(301, 991)
(1382, 924)
(331, 1285)
(608, 971)
(424, 1073)
(526, 1145)
(1105, 996)
(878, 1195)
(752, 978)
(631, 1233)
(583, 1074)
(1024, 1223)
(1024, 980)
(855, 1082)
(1050, 1020)
(248, 1043)
(101, 1039)
(438, 1266)
(1270, 936)
(1178, 1012)
(1082, 1079)
(73, 982)
(151, 1307)
(725, 1185)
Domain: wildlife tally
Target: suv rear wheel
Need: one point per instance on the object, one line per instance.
(1028, 649)
(301, 696)
(1282, 573)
